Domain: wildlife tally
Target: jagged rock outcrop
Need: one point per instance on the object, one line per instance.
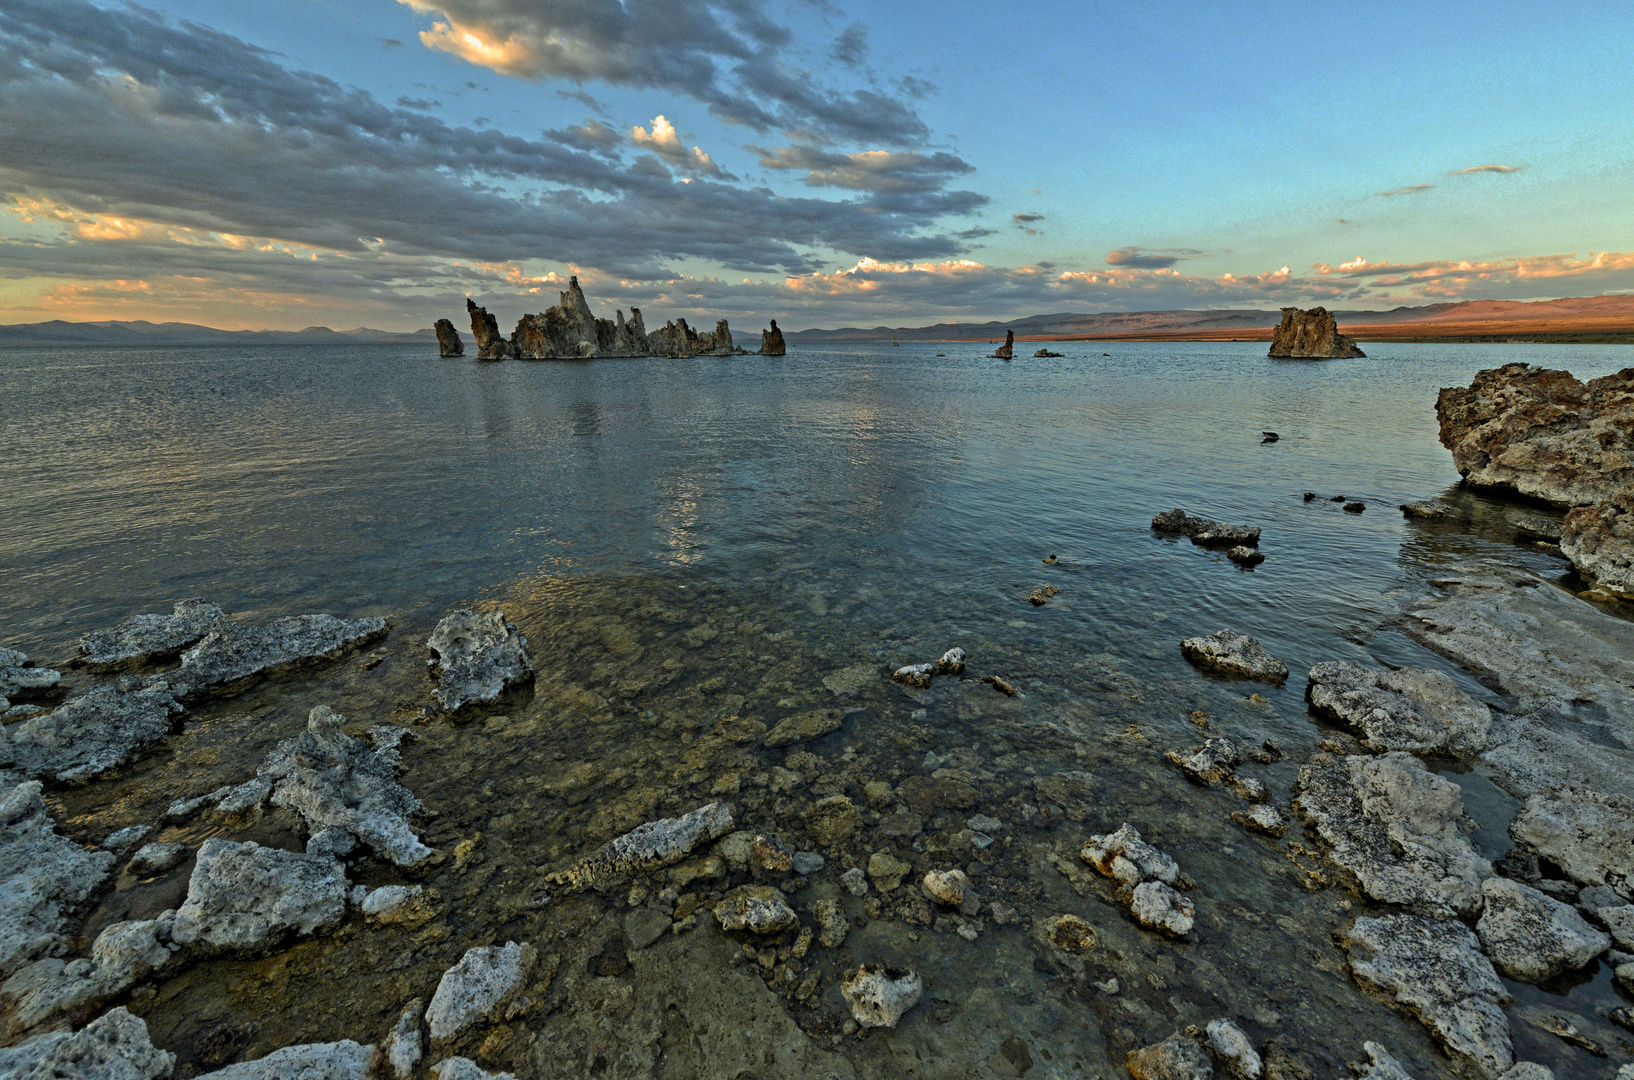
(1231, 653)
(771, 341)
(143, 639)
(1008, 349)
(485, 328)
(21, 679)
(678, 340)
(1599, 540)
(448, 339)
(1588, 835)
(115, 1046)
(233, 652)
(571, 331)
(1310, 335)
(43, 877)
(1542, 433)
(1204, 532)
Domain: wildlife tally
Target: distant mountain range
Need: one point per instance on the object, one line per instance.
(116, 332)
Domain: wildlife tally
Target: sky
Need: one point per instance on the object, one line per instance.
(287, 163)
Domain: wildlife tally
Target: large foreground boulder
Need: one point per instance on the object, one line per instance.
(1542, 433)
(93, 733)
(1588, 835)
(43, 877)
(1533, 937)
(1408, 709)
(245, 897)
(1310, 335)
(476, 658)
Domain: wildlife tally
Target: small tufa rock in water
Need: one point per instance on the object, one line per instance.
(1000, 685)
(855, 881)
(1427, 511)
(832, 820)
(1263, 818)
(1232, 1049)
(234, 653)
(1408, 709)
(951, 662)
(1209, 764)
(951, 888)
(1047, 354)
(20, 679)
(771, 341)
(479, 987)
(1310, 335)
(1269, 436)
(1042, 595)
(1230, 653)
(648, 847)
(143, 639)
(879, 996)
(476, 658)
(1069, 933)
(804, 726)
(448, 339)
(1355, 507)
(1156, 906)
(1175, 1058)
(1125, 857)
(1245, 556)
(886, 871)
(93, 733)
(1008, 349)
(759, 909)
(919, 676)
(1588, 835)
(1204, 532)
(832, 926)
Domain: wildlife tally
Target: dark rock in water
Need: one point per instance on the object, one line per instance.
(1340, 498)
(1542, 433)
(1245, 556)
(1538, 527)
(1270, 436)
(448, 339)
(485, 328)
(1311, 496)
(145, 638)
(1007, 350)
(1310, 335)
(1046, 353)
(570, 331)
(1355, 507)
(771, 341)
(1042, 595)
(1427, 511)
(1205, 532)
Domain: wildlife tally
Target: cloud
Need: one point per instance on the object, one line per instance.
(732, 55)
(1026, 219)
(1604, 271)
(870, 170)
(586, 100)
(1486, 168)
(390, 43)
(851, 47)
(666, 143)
(1410, 189)
(418, 104)
(592, 136)
(1138, 258)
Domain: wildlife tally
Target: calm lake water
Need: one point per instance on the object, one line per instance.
(684, 541)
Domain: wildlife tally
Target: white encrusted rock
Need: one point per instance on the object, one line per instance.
(19, 678)
(1381, 1066)
(1123, 855)
(344, 1060)
(43, 877)
(122, 955)
(244, 897)
(478, 987)
(1533, 937)
(146, 638)
(476, 658)
(400, 905)
(879, 996)
(114, 1046)
(1410, 709)
(759, 909)
(93, 732)
(404, 1047)
(1233, 1051)
(1588, 835)
(951, 888)
(1435, 969)
(1158, 907)
(1230, 653)
(458, 1068)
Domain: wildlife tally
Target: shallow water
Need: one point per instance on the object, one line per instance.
(684, 541)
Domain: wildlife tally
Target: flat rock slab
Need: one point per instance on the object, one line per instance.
(1533, 937)
(1230, 653)
(1204, 532)
(43, 877)
(478, 987)
(1409, 709)
(93, 733)
(234, 653)
(1588, 835)
(1396, 829)
(114, 1046)
(147, 638)
(244, 897)
(458, 1068)
(1434, 968)
(345, 1060)
(648, 847)
(1428, 511)
(476, 658)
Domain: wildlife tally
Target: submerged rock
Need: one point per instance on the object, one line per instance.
(1408, 709)
(1175, 1058)
(1381, 1065)
(771, 341)
(1396, 829)
(918, 676)
(1069, 933)
(43, 877)
(1532, 937)
(233, 652)
(832, 925)
(1209, 764)
(832, 819)
(114, 1046)
(1310, 335)
(93, 733)
(1599, 541)
(1008, 349)
(879, 996)
(485, 328)
(1434, 968)
(1042, 595)
(803, 726)
(476, 658)
(759, 909)
(1537, 527)
(1231, 653)
(156, 858)
(448, 339)
(1204, 532)
(1046, 354)
(344, 1060)
(1588, 835)
(648, 847)
(335, 781)
(1427, 511)
(479, 987)
(245, 897)
(143, 639)
(1542, 433)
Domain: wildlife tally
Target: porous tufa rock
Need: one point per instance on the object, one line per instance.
(916, 675)
(1396, 829)
(1124, 856)
(1599, 541)
(951, 662)
(648, 847)
(476, 658)
(879, 996)
(43, 877)
(1233, 1051)
(951, 888)
(1230, 653)
(156, 858)
(1310, 335)
(20, 679)
(400, 905)
(1175, 1058)
(448, 339)
(94, 732)
(1542, 433)
(1532, 937)
(485, 328)
(459, 1068)
(245, 897)
(114, 1046)
(1434, 968)
(678, 340)
(344, 1060)
(1209, 764)
(570, 331)
(1381, 1065)
(1157, 906)
(1263, 818)
(1245, 556)
(831, 820)
(1204, 532)
(1407, 709)
(1588, 835)
(404, 1047)
(1427, 511)
(1042, 595)
(771, 341)
(886, 871)
(143, 639)
(832, 925)
(759, 909)
(234, 653)
(1069, 933)
(1008, 349)
(478, 987)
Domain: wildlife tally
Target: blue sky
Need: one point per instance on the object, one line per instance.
(293, 162)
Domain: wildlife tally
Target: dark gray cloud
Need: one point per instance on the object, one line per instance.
(1410, 189)
(390, 43)
(1139, 258)
(418, 104)
(851, 47)
(872, 170)
(1485, 168)
(731, 55)
(1026, 219)
(185, 126)
(592, 136)
(597, 107)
